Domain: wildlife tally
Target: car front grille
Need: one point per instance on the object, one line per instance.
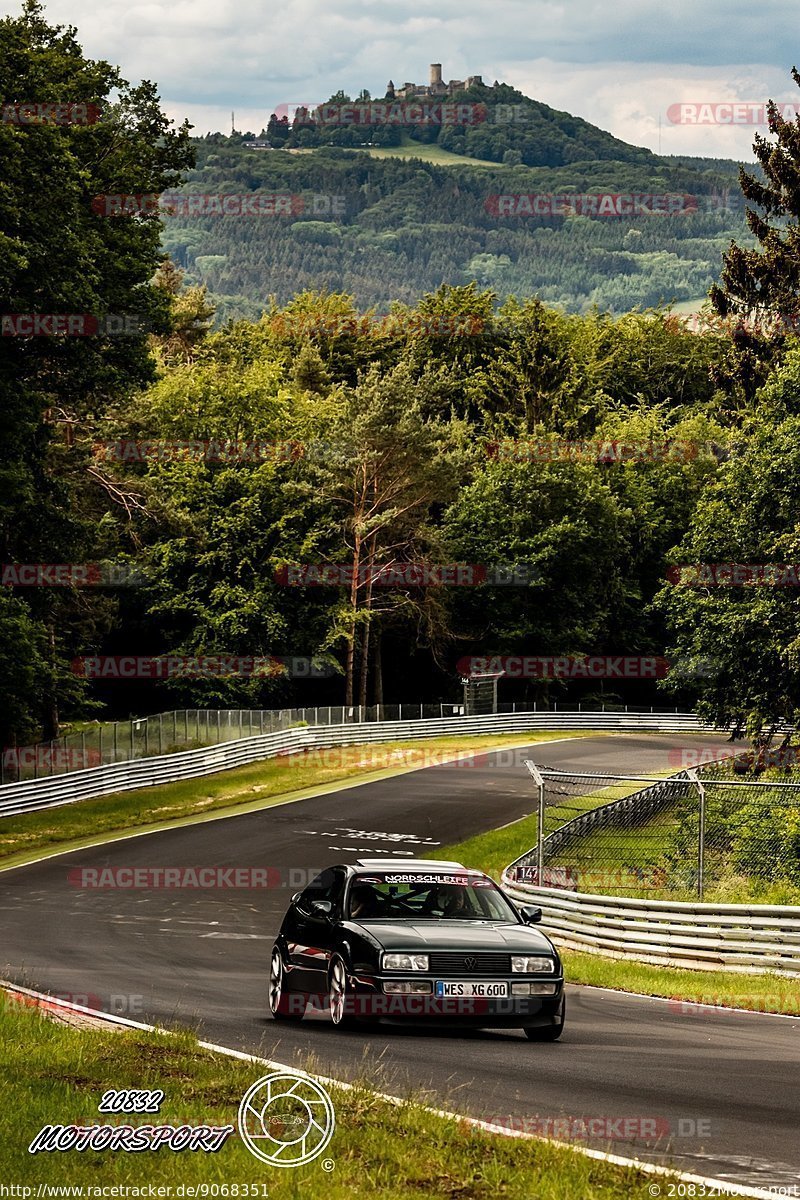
(443, 962)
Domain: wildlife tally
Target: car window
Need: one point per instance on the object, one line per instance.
(326, 886)
(392, 897)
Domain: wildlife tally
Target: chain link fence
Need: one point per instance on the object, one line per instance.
(717, 828)
(99, 743)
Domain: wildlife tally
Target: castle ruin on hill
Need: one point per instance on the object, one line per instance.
(436, 87)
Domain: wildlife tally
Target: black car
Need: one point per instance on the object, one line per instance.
(432, 941)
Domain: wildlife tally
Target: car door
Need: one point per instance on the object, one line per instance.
(313, 937)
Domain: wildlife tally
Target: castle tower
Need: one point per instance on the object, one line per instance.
(436, 75)
(390, 90)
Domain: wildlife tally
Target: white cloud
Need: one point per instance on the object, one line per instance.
(618, 68)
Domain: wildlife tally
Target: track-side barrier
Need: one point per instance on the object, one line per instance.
(748, 938)
(208, 760)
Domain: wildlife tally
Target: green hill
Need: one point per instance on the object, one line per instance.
(415, 207)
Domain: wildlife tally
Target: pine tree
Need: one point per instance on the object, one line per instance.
(763, 283)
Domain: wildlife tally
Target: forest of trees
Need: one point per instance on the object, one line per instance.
(376, 440)
(393, 229)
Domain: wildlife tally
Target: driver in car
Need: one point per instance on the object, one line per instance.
(362, 902)
(455, 901)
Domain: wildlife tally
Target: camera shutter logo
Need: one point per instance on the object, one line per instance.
(286, 1120)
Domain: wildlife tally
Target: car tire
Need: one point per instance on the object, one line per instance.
(547, 1033)
(283, 1004)
(338, 995)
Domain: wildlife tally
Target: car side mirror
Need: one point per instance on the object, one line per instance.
(296, 897)
(531, 914)
(321, 908)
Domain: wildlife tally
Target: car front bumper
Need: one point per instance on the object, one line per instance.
(369, 1000)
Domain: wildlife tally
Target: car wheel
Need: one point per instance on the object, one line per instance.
(547, 1033)
(284, 1005)
(339, 996)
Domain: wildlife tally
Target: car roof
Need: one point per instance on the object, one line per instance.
(411, 864)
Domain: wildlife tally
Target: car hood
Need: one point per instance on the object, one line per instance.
(456, 935)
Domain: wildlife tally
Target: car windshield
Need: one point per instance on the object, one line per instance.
(401, 896)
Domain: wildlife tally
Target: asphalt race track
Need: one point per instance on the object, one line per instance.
(727, 1083)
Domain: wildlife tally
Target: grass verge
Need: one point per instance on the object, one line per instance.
(724, 989)
(54, 1074)
(270, 781)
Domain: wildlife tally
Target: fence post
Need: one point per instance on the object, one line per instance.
(701, 831)
(537, 776)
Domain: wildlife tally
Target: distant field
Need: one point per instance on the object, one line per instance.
(431, 154)
(686, 308)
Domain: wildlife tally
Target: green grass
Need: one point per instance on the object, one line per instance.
(729, 989)
(53, 1074)
(271, 781)
(428, 153)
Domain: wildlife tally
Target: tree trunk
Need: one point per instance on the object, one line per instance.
(377, 669)
(351, 642)
(365, 637)
(50, 722)
(362, 691)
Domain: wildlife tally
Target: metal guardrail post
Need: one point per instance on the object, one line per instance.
(701, 831)
(534, 771)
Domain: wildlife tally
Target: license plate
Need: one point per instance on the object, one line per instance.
(470, 987)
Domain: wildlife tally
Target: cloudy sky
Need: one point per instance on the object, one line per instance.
(620, 64)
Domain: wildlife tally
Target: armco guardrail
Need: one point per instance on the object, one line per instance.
(737, 937)
(208, 760)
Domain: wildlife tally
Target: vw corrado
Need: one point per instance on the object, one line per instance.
(417, 939)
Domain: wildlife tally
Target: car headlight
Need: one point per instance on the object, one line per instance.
(404, 962)
(524, 964)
